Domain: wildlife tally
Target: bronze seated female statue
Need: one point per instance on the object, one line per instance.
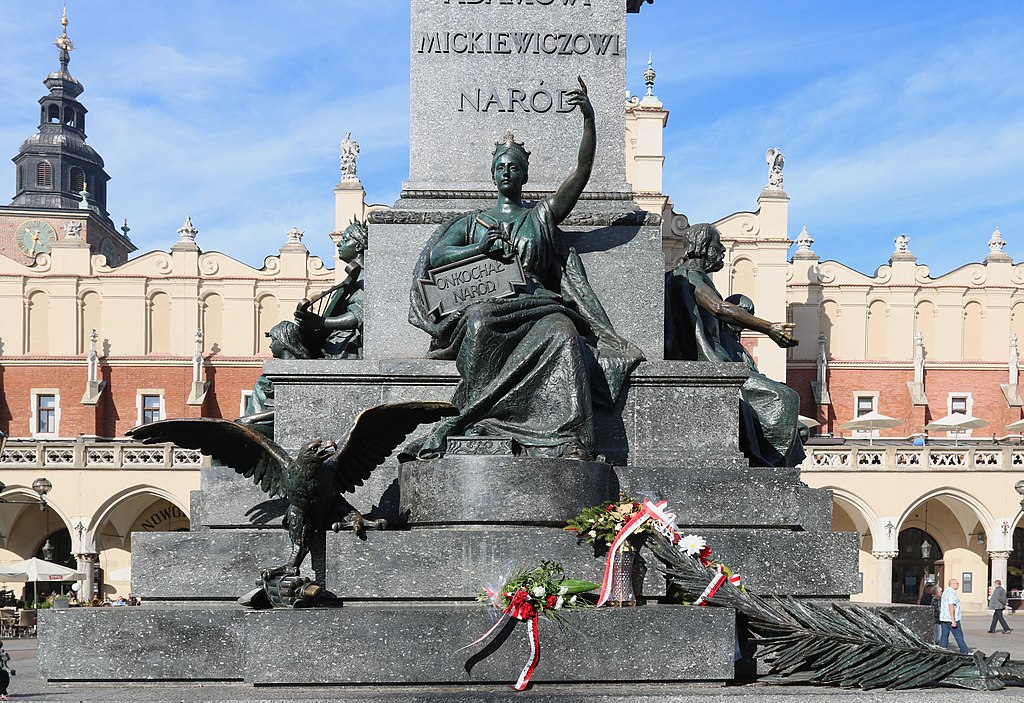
(532, 364)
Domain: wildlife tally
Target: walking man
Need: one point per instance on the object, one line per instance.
(997, 604)
(949, 617)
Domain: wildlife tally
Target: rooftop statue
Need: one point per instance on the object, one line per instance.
(532, 363)
(700, 326)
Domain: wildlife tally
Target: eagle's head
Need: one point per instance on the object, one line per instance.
(318, 451)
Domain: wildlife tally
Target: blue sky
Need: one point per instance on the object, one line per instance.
(894, 117)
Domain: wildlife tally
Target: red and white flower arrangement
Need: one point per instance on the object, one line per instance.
(543, 590)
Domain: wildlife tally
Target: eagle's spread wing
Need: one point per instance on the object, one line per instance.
(239, 446)
(375, 434)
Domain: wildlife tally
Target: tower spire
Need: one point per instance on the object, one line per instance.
(64, 43)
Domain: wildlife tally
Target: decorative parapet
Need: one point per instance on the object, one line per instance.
(896, 459)
(70, 454)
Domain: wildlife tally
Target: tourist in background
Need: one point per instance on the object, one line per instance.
(5, 673)
(927, 596)
(997, 604)
(949, 617)
(936, 603)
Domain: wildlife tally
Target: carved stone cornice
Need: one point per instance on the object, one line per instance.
(999, 554)
(885, 555)
(631, 218)
(527, 195)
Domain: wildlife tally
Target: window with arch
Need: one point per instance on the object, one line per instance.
(974, 331)
(159, 324)
(743, 275)
(1017, 322)
(878, 330)
(21, 177)
(53, 114)
(924, 323)
(69, 116)
(268, 314)
(213, 323)
(90, 319)
(44, 175)
(828, 325)
(38, 341)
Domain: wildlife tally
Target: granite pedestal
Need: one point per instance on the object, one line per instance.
(403, 598)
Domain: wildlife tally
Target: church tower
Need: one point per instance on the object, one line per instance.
(61, 185)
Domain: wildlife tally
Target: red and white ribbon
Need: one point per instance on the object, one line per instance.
(531, 615)
(531, 665)
(712, 588)
(649, 511)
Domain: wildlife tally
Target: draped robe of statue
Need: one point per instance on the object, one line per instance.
(531, 366)
(345, 343)
(769, 424)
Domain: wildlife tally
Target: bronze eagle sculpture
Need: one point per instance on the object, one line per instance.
(314, 481)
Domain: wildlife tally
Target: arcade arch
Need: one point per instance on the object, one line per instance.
(137, 509)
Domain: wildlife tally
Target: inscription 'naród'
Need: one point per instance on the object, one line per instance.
(513, 100)
(453, 287)
(550, 43)
(567, 3)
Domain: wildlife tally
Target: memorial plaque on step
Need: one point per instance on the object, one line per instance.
(478, 278)
(482, 67)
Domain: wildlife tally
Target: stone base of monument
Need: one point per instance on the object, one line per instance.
(382, 644)
(404, 597)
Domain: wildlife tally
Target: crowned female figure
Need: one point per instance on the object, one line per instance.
(533, 364)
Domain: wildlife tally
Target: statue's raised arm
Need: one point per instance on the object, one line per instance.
(568, 194)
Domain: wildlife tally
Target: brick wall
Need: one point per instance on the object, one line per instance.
(894, 398)
(117, 411)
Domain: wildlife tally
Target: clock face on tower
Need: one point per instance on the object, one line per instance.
(34, 237)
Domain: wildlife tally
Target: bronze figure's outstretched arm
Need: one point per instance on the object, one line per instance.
(568, 194)
(736, 315)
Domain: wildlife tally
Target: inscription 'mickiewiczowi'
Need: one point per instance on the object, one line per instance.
(551, 43)
(567, 3)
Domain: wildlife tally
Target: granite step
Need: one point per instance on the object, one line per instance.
(380, 645)
(454, 563)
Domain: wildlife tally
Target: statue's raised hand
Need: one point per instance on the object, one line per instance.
(578, 96)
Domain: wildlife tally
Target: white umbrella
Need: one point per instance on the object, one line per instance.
(38, 570)
(1016, 426)
(956, 423)
(871, 421)
(807, 422)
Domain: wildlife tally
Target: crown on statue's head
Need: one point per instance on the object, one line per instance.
(508, 144)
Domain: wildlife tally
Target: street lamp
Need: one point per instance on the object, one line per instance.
(1019, 487)
(41, 486)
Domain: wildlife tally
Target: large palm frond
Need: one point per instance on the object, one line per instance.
(837, 644)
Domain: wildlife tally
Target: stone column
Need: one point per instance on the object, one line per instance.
(884, 576)
(87, 565)
(997, 566)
